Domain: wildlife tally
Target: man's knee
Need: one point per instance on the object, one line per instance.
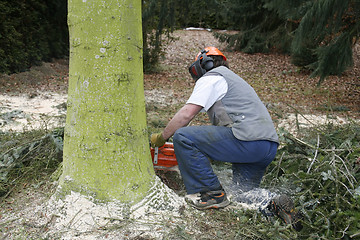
(179, 135)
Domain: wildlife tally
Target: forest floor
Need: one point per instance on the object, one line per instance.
(37, 99)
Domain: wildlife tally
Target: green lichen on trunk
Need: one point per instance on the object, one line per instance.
(106, 148)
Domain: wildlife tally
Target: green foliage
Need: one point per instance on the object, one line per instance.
(229, 224)
(161, 17)
(327, 30)
(28, 157)
(31, 32)
(199, 14)
(319, 35)
(35, 31)
(261, 29)
(158, 18)
(323, 170)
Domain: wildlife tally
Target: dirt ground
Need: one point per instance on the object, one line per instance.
(283, 87)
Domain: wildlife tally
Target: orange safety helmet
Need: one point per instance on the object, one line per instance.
(211, 51)
(203, 62)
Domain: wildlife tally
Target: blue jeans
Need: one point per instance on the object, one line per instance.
(195, 145)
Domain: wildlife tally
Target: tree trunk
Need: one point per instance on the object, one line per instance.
(106, 146)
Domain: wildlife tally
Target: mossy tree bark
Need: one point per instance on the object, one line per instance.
(106, 147)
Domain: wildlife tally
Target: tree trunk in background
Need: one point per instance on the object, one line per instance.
(106, 146)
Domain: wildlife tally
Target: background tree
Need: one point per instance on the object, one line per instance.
(158, 19)
(31, 32)
(318, 35)
(199, 14)
(260, 29)
(326, 34)
(35, 31)
(106, 147)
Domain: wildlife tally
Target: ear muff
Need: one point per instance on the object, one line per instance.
(207, 63)
(202, 64)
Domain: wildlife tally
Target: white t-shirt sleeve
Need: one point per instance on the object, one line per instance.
(208, 90)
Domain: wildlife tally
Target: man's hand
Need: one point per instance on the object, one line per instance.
(157, 140)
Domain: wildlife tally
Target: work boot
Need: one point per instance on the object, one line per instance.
(283, 207)
(206, 200)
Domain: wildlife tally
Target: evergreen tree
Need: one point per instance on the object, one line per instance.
(318, 34)
(327, 32)
(199, 14)
(36, 30)
(31, 32)
(161, 17)
(260, 29)
(158, 19)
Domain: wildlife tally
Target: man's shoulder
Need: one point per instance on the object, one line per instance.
(221, 70)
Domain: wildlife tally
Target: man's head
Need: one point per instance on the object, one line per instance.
(207, 59)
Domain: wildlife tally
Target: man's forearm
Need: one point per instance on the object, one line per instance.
(181, 119)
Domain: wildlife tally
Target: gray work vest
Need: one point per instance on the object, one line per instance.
(242, 110)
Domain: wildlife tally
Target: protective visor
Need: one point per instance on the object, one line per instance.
(196, 70)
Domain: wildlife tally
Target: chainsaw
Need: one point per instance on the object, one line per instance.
(164, 156)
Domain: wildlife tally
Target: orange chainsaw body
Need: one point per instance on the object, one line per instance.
(164, 156)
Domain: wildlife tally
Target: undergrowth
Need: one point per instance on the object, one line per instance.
(320, 169)
(230, 224)
(27, 158)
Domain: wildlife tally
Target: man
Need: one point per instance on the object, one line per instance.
(241, 133)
